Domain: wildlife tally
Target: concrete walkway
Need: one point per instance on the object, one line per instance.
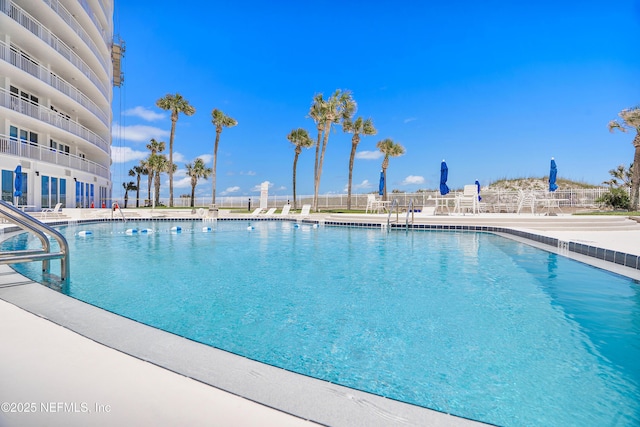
(65, 363)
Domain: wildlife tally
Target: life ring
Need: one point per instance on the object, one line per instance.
(201, 212)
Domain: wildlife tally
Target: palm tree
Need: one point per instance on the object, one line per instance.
(158, 163)
(196, 171)
(301, 139)
(389, 149)
(631, 121)
(144, 168)
(338, 107)
(220, 121)
(357, 128)
(137, 171)
(128, 186)
(176, 104)
(155, 147)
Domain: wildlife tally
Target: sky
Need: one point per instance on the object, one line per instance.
(495, 88)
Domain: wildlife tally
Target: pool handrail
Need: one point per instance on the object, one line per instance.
(40, 230)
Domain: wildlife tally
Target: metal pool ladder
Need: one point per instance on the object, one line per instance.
(40, 230)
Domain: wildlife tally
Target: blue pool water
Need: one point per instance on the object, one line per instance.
(466, 323)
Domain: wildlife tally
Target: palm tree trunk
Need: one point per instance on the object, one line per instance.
(149, 179)
(193, 194)
(126, 198)
(316, 179)
(213, 174)
(327, 129)
(635, 178)
(354, 144)
(173, 131)
(295, 162)
(157, 188)
(138, 193)
(385, 165)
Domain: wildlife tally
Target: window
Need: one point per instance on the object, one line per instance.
(58, 146)
(23, 134)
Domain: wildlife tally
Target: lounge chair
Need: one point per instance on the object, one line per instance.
(304, 212)
(257, 212)
(285, 210)
(468, 200)
(270, 212)
(55, 211)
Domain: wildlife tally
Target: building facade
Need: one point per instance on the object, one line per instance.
(56, 86)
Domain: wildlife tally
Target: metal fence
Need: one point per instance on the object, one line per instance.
(575, 198)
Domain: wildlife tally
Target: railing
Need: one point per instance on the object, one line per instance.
(32, 25)
(40, 230)
(51, 117)
(67, 17)
(394, 205)
(409, 211)
(24, 149)
(45, 75)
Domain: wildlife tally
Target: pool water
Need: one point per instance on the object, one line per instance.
(466, 323)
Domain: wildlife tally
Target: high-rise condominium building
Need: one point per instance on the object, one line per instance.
(58, 65)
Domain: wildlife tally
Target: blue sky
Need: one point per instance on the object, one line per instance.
(496, 88)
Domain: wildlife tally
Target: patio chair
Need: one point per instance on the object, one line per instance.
(373, 204)
(55, 211)
(257, 212)
(468, 200)
(270, 212)
(527, 199)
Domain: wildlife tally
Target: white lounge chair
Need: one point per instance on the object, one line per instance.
(55, 211)
(285, 210)
(304, 212)
(257, 212)
(468, 200)
(270, 212)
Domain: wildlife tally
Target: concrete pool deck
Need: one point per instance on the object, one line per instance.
(70, 363)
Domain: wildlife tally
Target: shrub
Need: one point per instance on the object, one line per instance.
(616, 198)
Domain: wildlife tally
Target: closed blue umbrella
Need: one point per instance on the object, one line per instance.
(444, 174)
(478, 185)
(17, 182)
(553, 174)
(381, 186)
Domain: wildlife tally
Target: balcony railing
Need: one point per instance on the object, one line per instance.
(24, 149)
(77, 28)
(43, 33)
(42, 73)
(51, 117)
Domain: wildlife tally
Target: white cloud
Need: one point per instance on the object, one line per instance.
(144, 113)
(413, 180)
(364, 185)
(368, 155)
(410, 119)
(126, 154)
(138, 133)
(177, 157)
(249, 173)
(230, 190)
(182, 182)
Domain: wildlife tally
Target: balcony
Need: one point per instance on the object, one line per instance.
(25, 150)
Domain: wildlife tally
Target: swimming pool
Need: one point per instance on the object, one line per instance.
(466, 323)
